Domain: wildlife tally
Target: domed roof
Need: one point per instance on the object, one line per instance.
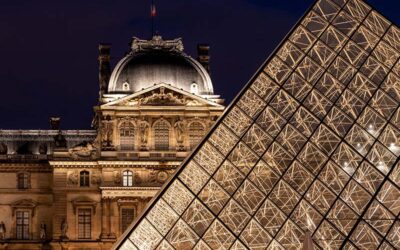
(159, 61)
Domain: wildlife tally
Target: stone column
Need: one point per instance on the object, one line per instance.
(104, 219)
(110, 234)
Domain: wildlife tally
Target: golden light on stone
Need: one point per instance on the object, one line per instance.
(307, 148)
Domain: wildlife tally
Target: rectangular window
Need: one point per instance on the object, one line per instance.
(23, 181)
(22, 225)
(84, 223)
(84, 179)
(127, 216)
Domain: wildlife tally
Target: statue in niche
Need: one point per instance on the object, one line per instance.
(180, 133)
(2, 231)
(144, 129)
(107, 132)
(73, 178)
(3, 149)
(64, 229)
(43, 231)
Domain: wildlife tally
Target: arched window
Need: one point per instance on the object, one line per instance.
(127, 136)
(196, 133)
(84, 178)
(23, 180)
(127, 178)
(161, 135)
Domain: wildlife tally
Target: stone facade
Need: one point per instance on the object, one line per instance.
(80, 189)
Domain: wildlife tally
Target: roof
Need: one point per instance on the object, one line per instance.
(158, 61)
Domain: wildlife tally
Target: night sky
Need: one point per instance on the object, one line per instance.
(48, 48)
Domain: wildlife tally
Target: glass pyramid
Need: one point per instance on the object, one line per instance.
(309, 147)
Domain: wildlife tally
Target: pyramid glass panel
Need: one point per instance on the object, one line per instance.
(309, 147)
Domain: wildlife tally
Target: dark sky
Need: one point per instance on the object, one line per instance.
(48, 48)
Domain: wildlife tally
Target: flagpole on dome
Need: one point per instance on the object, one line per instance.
(153, 14)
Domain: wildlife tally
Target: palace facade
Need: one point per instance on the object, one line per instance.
(80, 189)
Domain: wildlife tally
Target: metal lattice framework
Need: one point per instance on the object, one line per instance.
(311, 144)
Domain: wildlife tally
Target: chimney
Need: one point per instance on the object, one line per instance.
(55, 123)
(203, 55)
(104, 67)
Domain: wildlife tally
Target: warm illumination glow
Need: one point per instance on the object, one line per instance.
(281, 160)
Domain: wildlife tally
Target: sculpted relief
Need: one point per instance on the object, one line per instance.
(160, 97)
(72, 178)
(84, 150)
(96, 178)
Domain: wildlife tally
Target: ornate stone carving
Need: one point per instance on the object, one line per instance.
(162, 176)
(157, 43)
(83, 150)
(73, 177)
(160, 97)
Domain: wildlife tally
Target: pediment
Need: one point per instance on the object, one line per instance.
(84, 202)
(24, 203)
(162, 95)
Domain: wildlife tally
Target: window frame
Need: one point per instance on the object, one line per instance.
(127, 136)
(26, 217)
(122, 219)
(127, 178)
(23, 180)
(84, 180)
(162, 135)
(87, 225)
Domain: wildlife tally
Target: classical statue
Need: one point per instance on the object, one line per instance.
(83, 150)
(179, 131)
(64, 229)
(43, 149)
(59, 140)
(3, 149)
(43, 229)
(107, 132)
(2, 231)
(143, 132)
